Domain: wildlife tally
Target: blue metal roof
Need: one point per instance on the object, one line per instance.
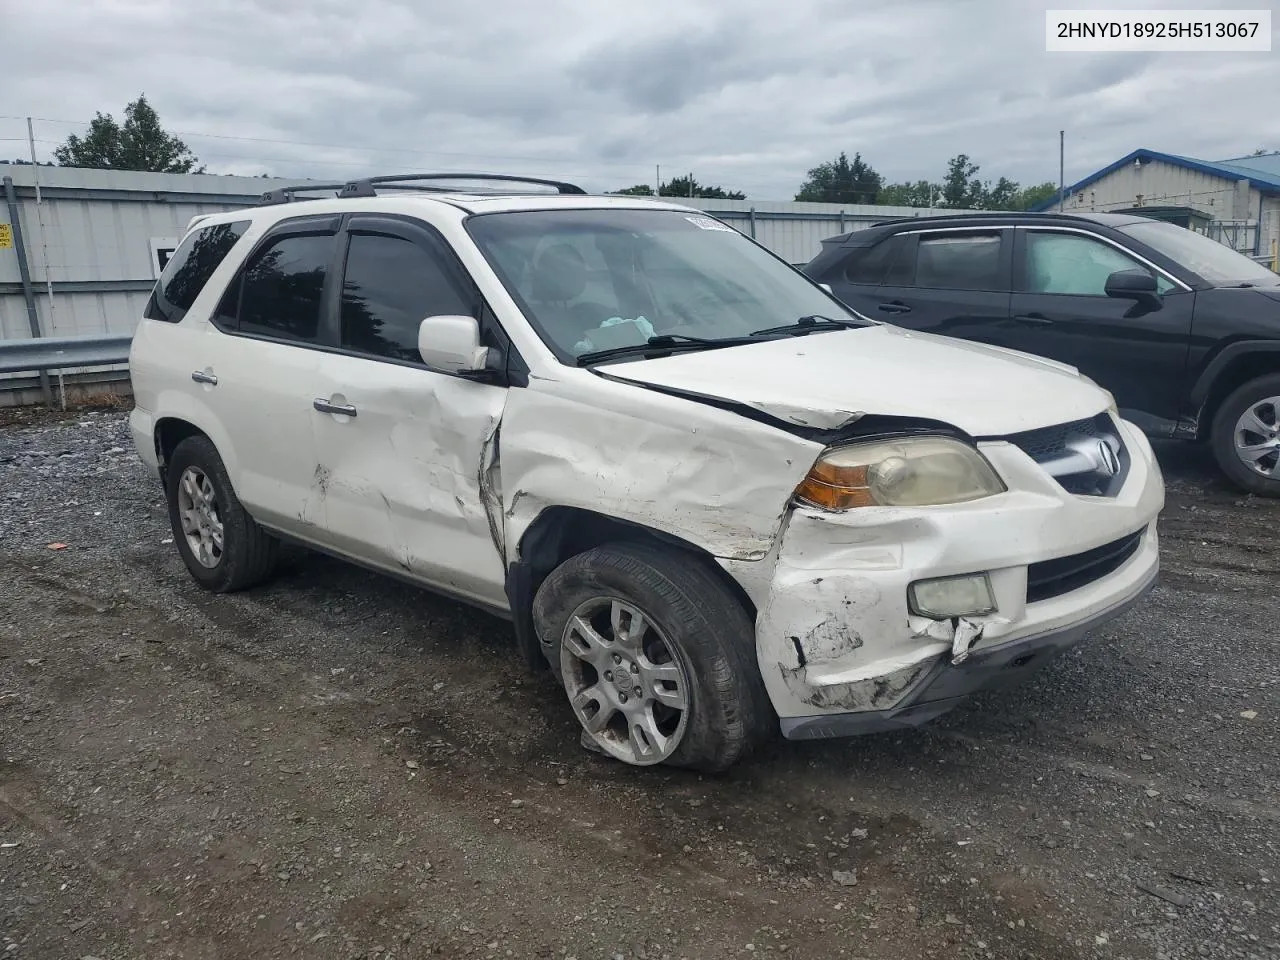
(1265, 180)
(1268, 164)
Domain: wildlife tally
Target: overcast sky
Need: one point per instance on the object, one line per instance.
(748, 94)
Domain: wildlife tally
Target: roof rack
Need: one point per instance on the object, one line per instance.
(286, 194)
(366, 186)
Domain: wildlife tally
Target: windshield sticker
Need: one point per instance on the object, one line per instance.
(706, 223)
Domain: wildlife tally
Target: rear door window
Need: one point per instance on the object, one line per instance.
(960, 261)
(189, 268)
(282, 288)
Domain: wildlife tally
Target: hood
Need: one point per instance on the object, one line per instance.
(827, 380)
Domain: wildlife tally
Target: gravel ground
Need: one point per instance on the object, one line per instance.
(337, 765)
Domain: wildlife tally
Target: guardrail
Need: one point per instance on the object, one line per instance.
(40, 354)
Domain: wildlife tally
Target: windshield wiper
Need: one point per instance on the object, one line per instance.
(662, 343)
(808, 324)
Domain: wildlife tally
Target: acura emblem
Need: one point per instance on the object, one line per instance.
(1108, 462)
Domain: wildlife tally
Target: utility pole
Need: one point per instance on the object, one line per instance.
(657, 178)
(1062, 179)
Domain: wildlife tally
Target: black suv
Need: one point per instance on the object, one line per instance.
(1183, 331)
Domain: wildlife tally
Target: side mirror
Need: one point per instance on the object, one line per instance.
(451, 344)
(1131, 285)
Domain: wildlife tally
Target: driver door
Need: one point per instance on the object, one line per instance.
(1060, 310)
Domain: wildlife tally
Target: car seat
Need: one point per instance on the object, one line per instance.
(560, 276)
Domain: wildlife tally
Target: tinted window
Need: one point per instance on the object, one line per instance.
(882, 263)
(283, 286)
(189, 268)
(959, 262)
(1066, 263)
(390, 286)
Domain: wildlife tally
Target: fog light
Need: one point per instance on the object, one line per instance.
(965, 596)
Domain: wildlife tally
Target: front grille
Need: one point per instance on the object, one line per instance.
(1073, 454)
(1053, 578)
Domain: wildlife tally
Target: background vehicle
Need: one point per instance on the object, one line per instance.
(713, 501)
(1184, 331)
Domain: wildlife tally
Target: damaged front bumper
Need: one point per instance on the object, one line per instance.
(840, 649)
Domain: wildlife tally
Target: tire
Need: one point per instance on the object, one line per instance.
(698, 638)
(247, 556)
(1223, 434)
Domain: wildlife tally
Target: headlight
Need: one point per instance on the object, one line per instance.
(911, 472)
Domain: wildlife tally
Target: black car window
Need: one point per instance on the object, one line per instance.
(189, 268)
(390, 286)
(880, 264)
(949, 261)
(1072, 264)
(282, 287)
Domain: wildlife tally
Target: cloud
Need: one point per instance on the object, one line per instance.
(748, 95)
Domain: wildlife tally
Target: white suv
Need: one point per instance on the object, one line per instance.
(710, 497)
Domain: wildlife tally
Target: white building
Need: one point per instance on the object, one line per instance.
(1235, 201)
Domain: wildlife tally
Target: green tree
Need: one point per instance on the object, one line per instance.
(689, 187)
(639, 190)
(961, 187)
(922, 193)
(1029, 197)
(140, 143)
(842, 181)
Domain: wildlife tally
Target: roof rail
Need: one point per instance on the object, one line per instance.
(365, 187)
(286, 194)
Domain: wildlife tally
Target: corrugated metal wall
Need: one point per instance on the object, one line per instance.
(795, 231)
(1157, 183)
(94, 236)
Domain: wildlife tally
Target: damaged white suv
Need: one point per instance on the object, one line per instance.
(712, 499)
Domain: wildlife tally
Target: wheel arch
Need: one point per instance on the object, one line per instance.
(561, 532)
(1235, 365)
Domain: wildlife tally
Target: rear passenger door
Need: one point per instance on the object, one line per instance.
(954, 282)
(404, 450)
(258, 363)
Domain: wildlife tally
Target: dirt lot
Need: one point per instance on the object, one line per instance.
(340, 766)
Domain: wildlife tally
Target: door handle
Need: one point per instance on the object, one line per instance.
(324, 406)
(893, 307)
(1035, 319)
(199, 376)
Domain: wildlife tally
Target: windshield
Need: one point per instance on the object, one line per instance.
(591, 280)
(1214, 261)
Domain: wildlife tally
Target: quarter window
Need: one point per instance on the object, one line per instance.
(882, 264)
(390, 286)
(283, 286)
(189, 268)
(959, 261)
(1073, 265)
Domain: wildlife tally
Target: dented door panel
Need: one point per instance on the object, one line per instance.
(403, 476)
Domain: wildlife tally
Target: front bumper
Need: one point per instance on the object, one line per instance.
(839, 650)
(945, 686)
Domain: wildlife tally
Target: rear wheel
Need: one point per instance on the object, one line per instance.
(1246, 436)
(223, 547)
(656, 656)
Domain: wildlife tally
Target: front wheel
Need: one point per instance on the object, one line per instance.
(1246, 436)
(656, 656)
